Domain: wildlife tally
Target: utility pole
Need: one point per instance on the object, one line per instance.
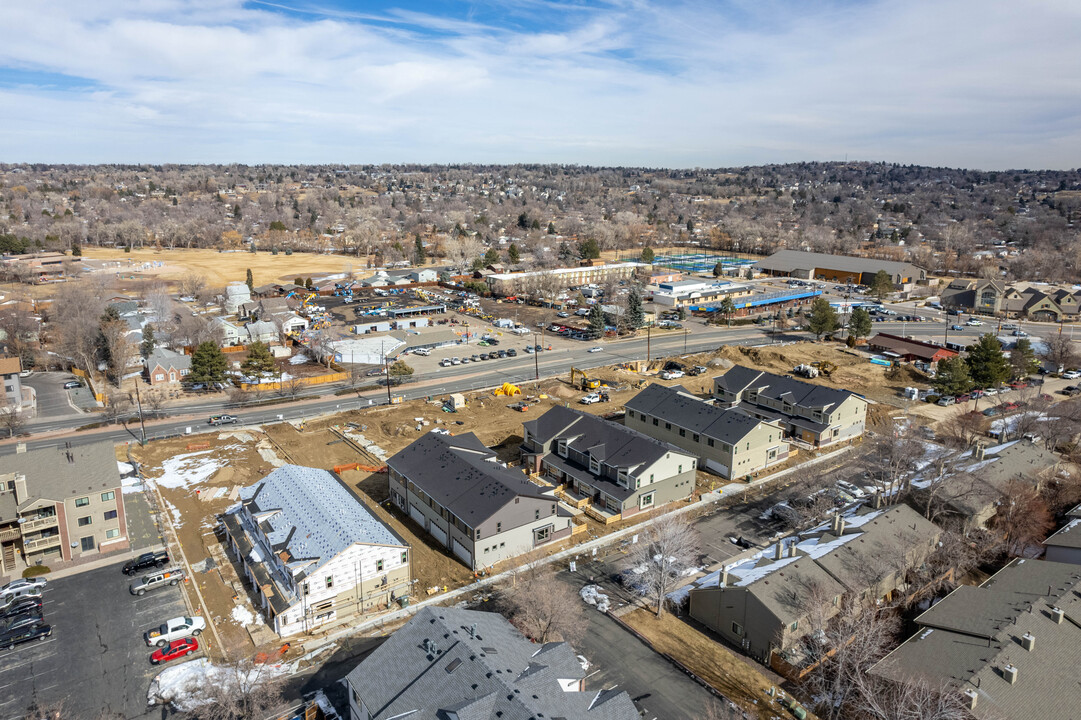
(536, 360)
(139, 402)
(386, 372)
(647, 344)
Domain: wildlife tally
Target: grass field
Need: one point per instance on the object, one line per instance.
(222, 268)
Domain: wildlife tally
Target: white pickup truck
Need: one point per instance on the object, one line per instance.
(174, 629)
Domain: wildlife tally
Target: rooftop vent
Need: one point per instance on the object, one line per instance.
(1010, 673)
(1028, 641)
(1057, 615)
(970, 698)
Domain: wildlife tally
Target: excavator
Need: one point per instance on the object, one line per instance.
(825, 367)
(587, 383)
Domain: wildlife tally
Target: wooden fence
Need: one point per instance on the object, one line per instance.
(100, 397)
(315, 380)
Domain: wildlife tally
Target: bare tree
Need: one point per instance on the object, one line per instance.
(74, 320)
(117, 407)
(118, 349)
(290, 388)
(192, 284)
(910, 699)
(1022, 516)
(892, 459)
(10, 419)
(1059, 351)
(154, 401)
(668, 546)
(241, 690)
(544, 607)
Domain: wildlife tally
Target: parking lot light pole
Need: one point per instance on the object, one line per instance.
(536, 361)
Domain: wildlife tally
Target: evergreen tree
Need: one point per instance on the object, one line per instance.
(882, 284)
(634, 315)
(565, 252)
(987, 364)
(551, 228)
(859, 323)
(1023, 360)
(491, 257)
(419, 253)
(76, 249)
(208, 363)
(681, 313)
(523, 221)
(596, 321)
(250, 281)
(399, 371)
(588, 249)
(718, 270)
(512, 254)
(952, 376)
(647, 255)
(259, 361)
(308, 283)
(149, 343)
(299, 281)
(823, 318)
(727, 309)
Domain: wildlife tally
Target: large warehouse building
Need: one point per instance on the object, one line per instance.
(840, 268)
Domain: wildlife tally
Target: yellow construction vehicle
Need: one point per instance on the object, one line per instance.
(587, 383)
(825, 367)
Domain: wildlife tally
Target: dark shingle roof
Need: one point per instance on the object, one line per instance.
(770, 385)
(461, 474)
(478, 666)
(60, 473)
(676, 405)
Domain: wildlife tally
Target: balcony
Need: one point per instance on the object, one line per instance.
(10, 534)
(41, 543)
(602, 514)
(40, 523)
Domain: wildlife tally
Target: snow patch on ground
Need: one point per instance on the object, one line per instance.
(182, 685)
(593, 596)
(125, 468)
(245, 617)
(679, 596)
(298, 359)
(175, 512)
(188, 469)
(131, 484)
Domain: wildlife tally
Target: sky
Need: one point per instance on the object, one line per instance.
(713, 83)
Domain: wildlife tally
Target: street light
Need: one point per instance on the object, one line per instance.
(536, 360)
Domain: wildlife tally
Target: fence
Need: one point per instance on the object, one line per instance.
(316, 380)
(100, 397)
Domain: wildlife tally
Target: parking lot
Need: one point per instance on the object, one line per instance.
(96, 661)
(52, 397)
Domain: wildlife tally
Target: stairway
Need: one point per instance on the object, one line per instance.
(9, 557)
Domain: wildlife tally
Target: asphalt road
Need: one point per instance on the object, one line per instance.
(95, 662)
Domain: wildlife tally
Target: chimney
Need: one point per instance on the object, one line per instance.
(970, 698)
(724, 576)
(838, 526)
(20, 447)
(1057, 615)
(1028, 641)
(876, 501)
(778, 550)
(1010, 673)
(20, 488)
(792, 550)
(978, 451)
(473, 631)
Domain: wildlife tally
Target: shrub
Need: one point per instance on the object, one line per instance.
(35, 570)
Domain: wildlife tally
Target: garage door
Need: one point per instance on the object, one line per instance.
(417, 515)
(438, 533)
(461, 551)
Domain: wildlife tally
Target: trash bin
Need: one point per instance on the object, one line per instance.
(404, 602)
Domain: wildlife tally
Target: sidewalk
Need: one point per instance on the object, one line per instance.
(74, 568)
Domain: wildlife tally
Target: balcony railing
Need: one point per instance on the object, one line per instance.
(39, 523)
(10, 534)
(43, 543)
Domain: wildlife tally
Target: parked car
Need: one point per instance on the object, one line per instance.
(156, 580)
(22, 620)
(992, 411)
(26, 634)
(38, 582)
(964, 398)
(175, 649)
(671, 374)
(946, 400)
(562, 314)
(1071, 374)
(174, 629)
(538, 348)
(484, 356)
(146, 561)
(445, 362)
(223, 420)
(71, 384)
(512, 353)
(10, 596)
(424, 352)
(1069, 390)
(455, 361)
(990, 391)
(20, 606)
(590, 399)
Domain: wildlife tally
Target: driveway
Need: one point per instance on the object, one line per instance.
(96, 662)
(52, 397)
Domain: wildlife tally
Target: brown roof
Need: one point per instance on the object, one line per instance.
(9, 365)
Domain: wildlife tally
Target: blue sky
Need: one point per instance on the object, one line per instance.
(970, 83)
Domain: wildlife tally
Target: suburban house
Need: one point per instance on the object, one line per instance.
(809, 413)
(231, 333)
(458, 664)
(456, 489)
(726, 441)
(1011, 647)
(15, 397)
(263, 331)
(167, 366)
(60, 504)
(608, 470)
(314, 554)
(423, 275)
(764, 601)
(902, 348)
(840, 268)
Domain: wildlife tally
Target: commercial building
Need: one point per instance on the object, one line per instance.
(687, 293)
(506, 284)
(456, 664)
(1010, 647)
(726, 441)
(812, 414)
(313, 553)
(38, 268)
(767, 601)
(608, 470)
(909, 350)
(1033, 301)
(840, 268)
(60, 505)
(484, 512)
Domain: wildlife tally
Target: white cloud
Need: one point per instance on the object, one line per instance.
(976, 84)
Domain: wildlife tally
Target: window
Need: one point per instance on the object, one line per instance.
(110, 515)
(82, 502)
(680, 469)
(709, 441)
(737, 629)
(536, 514)
(87, 544)
(668, 426)
(159, 376)
(486, 550)
(682, 432)
(794, 626)
(646, 500)
(84, 521)
(304, 588)
(502, 544)
(594, 466)
(108, 496)
(379, 566)
(330, 581)
(498, 528)
(542, 534)
(655, 421)
(651, 478)
(561, 448)
(694, 437)
(112, 533)
(405, 558)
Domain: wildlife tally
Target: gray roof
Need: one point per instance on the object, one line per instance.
(612, 444)
(60, 473)
(460, 473)
(168, 359)
(310, 513)
(1068, 537)
(770, 385)
(676, 405)
(987, 479)
(970, 636)
(790, 260)
(480, 668)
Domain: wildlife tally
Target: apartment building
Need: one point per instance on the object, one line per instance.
(726, 441)
(60, 505)
(606, 469)
(484, 512)
(813, 414)
(313, 553)
(511, 283)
